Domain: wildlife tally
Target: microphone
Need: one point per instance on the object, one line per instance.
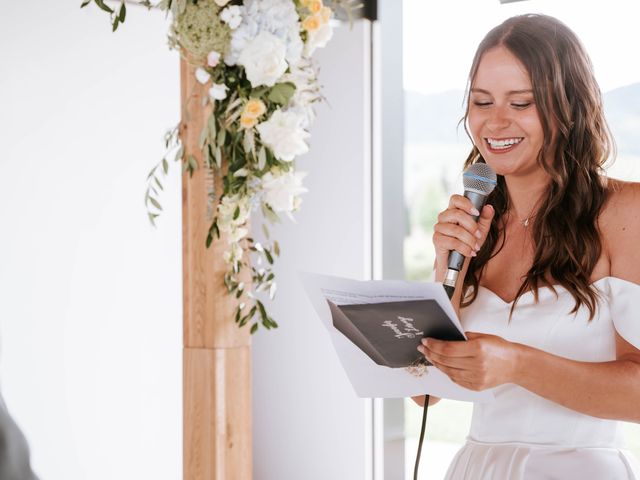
(479, 180)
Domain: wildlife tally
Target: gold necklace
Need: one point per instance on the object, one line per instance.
(525, 222)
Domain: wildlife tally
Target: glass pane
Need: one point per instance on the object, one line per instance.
(439, 41)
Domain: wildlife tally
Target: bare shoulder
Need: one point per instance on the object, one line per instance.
(620, 228)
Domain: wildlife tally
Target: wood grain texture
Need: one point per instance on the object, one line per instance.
(208, 310)
(217, 442)
(217, 414)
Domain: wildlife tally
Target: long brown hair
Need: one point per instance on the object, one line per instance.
(576, 138)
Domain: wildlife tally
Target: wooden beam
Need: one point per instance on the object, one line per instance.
(217, 354)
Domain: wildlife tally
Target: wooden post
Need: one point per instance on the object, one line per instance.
(217, 354)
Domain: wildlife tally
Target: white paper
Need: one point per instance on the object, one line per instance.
(367, 377)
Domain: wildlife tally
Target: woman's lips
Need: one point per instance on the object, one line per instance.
(499, 146)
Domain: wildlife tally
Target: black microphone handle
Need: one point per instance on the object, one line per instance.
(456, 259)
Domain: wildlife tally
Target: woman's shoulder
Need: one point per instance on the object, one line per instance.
(622, 205)
(619, 225)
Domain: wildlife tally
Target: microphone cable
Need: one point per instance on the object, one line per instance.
(422, 429)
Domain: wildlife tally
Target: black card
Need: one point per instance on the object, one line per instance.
(390, 332)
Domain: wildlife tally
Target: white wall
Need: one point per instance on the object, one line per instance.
(308, 423)
(90, 295)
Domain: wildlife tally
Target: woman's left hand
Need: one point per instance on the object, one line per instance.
(483, 361)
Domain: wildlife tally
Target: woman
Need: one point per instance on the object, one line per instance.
(552, 269)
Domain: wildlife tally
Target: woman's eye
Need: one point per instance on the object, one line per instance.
(481, 104)
(521, 105)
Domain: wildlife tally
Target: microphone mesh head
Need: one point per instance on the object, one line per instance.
(480, 178)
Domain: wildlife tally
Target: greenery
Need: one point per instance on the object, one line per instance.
(255, 172)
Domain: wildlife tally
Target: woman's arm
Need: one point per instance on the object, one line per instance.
(420, 400)
(605, 389)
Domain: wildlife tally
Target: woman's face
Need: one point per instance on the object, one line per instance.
(503, 119)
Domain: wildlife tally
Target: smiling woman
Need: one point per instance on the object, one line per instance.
(565, 364)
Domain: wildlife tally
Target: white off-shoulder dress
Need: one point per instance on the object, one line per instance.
(524, 436)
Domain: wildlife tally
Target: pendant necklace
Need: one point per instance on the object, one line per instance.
(525, 222)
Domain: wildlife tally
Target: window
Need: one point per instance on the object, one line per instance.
(439, 40)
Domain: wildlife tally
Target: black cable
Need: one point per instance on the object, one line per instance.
(424, 424)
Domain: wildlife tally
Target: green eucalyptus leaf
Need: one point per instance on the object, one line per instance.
(193, 163)
(276, 248)
(265, 230)
(101, 4)
(267, 254)
(281, 93)
(263, 311)
(85, 3)
(152, 218)
(165, 166)
(203, 138)
(155, 203)
(222, 136)
(254, 328)
(123, 12)
(258, 92)
(158, 183)
(211, 124)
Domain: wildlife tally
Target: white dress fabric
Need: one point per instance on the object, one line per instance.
(524, 436)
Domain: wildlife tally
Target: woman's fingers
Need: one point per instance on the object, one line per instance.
(463, 203)
(454, 237)
(447, 244)
(457, 216)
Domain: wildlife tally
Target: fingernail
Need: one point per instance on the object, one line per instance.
(478, 234)
(474, 254)
(474, 211)
(477, 246)
(421, 349)
(425, 341)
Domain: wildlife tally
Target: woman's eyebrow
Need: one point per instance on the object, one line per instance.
(512, 92)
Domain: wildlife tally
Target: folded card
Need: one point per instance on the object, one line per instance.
(375, 327)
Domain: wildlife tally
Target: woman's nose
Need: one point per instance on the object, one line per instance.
(499, 119)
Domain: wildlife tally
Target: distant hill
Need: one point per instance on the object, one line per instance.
(434, 118)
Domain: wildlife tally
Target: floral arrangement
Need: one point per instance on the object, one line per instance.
(255, 58)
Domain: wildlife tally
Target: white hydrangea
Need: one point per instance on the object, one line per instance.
(284, 135)
(281, 190)
(278, 17)
(232, 16)
(263, 60)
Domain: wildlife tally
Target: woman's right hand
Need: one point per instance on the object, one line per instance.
(457, 230)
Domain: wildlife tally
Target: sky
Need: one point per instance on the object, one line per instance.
(440, 37)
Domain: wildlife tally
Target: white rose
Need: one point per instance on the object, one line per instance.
(318, 38)
(284, 135)
(213, 58)
(281, 191)
(202, 76)
(218, 91)
(232, 16)
(263, 59)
